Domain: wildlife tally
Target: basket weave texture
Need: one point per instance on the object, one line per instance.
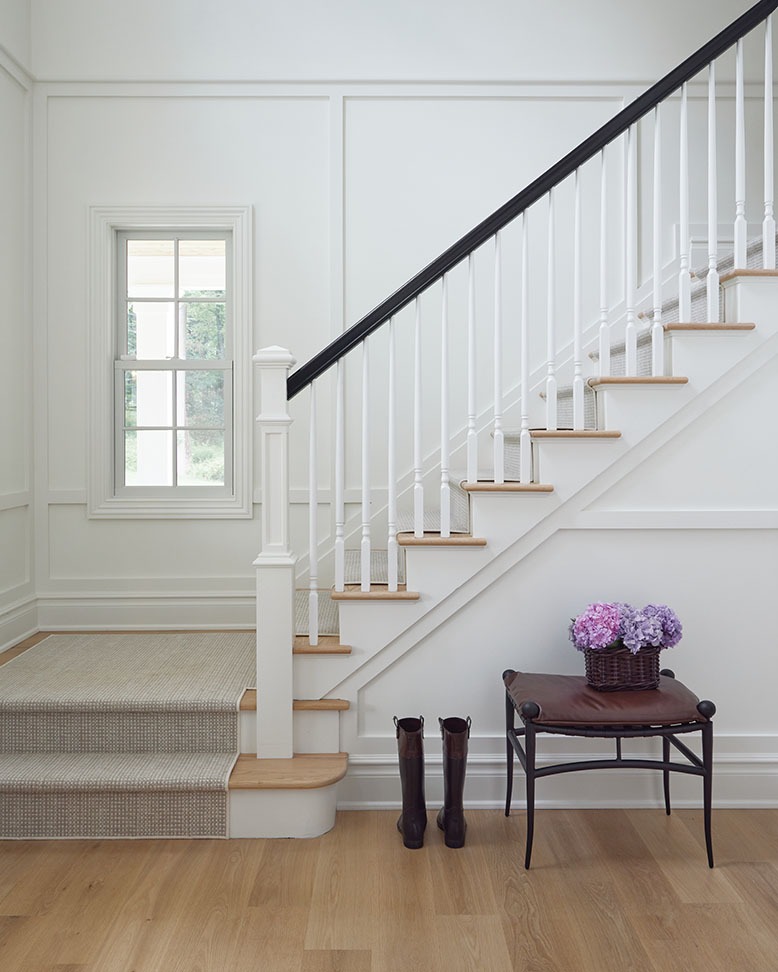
(616, 669)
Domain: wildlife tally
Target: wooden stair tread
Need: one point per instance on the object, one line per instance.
(248, 703)
(353, 592)
(301, 772)
(321, 705)
(492, 487)
(575, 434)
(328, 645)
(731, 274)
(713, 328)
(435, 540)
(638, 380)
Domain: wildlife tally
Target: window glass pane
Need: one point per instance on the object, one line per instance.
(203, 333)
(201, 398)
(148, 458)
(148, 398)
(200, 458)
(150, 329)
(150, 268)
(202, 268)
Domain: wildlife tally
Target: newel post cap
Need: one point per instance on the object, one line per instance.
(274, 366)
(275, 357)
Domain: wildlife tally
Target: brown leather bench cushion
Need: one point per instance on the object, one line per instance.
(567, 700)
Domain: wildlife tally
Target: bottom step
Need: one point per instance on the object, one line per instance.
(285, 797)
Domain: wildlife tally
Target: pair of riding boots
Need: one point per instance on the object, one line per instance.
(410, 745)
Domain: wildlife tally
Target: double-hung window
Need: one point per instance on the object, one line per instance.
(174, 371)
(170, 434)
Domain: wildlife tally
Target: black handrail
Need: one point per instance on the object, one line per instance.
(611, 130)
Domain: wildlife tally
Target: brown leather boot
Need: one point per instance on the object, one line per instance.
(410, 746)
(451, 818)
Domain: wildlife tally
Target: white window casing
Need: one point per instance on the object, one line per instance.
(108, 495)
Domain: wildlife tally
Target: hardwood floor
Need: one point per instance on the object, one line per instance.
(609, 891)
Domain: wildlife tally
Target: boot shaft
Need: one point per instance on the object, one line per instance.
(410, 748)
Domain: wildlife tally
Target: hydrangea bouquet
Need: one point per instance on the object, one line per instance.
(611, 625)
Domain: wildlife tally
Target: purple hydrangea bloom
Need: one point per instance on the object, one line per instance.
(602, 624)
(640, 630)
(598, 626)
(672, 629)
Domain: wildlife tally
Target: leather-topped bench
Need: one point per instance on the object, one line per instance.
(566, 705)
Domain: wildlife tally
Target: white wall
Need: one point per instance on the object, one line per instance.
(495, 40)
(16, 521)
(354, 187)
(15, 30)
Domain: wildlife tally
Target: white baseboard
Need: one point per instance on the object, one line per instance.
(101, 611)
(744, 778)
(17, 622)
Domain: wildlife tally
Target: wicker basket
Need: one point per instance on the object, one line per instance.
(616, 669)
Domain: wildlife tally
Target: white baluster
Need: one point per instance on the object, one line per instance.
(391, 469)
(499, 441)
(684, 263)
(741, 227)
(418, 484)
(445, 487)
(768, 226)
(340, 470)
(525, 440)
(313, 527)
(657, 331)
(604, 334)
(472, 434)
(630, 254)
(551, 382)
(712, 280)
(365, 543)
(578, 382)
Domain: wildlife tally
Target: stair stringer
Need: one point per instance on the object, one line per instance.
(564, 515)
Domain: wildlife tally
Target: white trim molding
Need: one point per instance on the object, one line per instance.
(104, 221)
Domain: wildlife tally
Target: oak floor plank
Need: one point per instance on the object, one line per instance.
(341, 960)
(405, 920)
(348, 873)
(609, 891)
(472, 943)
(675, 850)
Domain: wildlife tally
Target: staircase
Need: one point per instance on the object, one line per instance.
(520, 451)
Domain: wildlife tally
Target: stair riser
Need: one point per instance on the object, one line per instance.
(752, 299)
(439, 570)
(313, 732)
(501, 518)
(315, 677)
(706, 355)
(50, 814)
(371, 624)
(640, 408)
(570, 463)
(282, 813)
(118, 732)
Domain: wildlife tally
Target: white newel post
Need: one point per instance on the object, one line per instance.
(275, 563)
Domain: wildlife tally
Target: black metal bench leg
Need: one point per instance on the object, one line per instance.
(666, 773)
(530, 750)
(707, 762)
(510, 723)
